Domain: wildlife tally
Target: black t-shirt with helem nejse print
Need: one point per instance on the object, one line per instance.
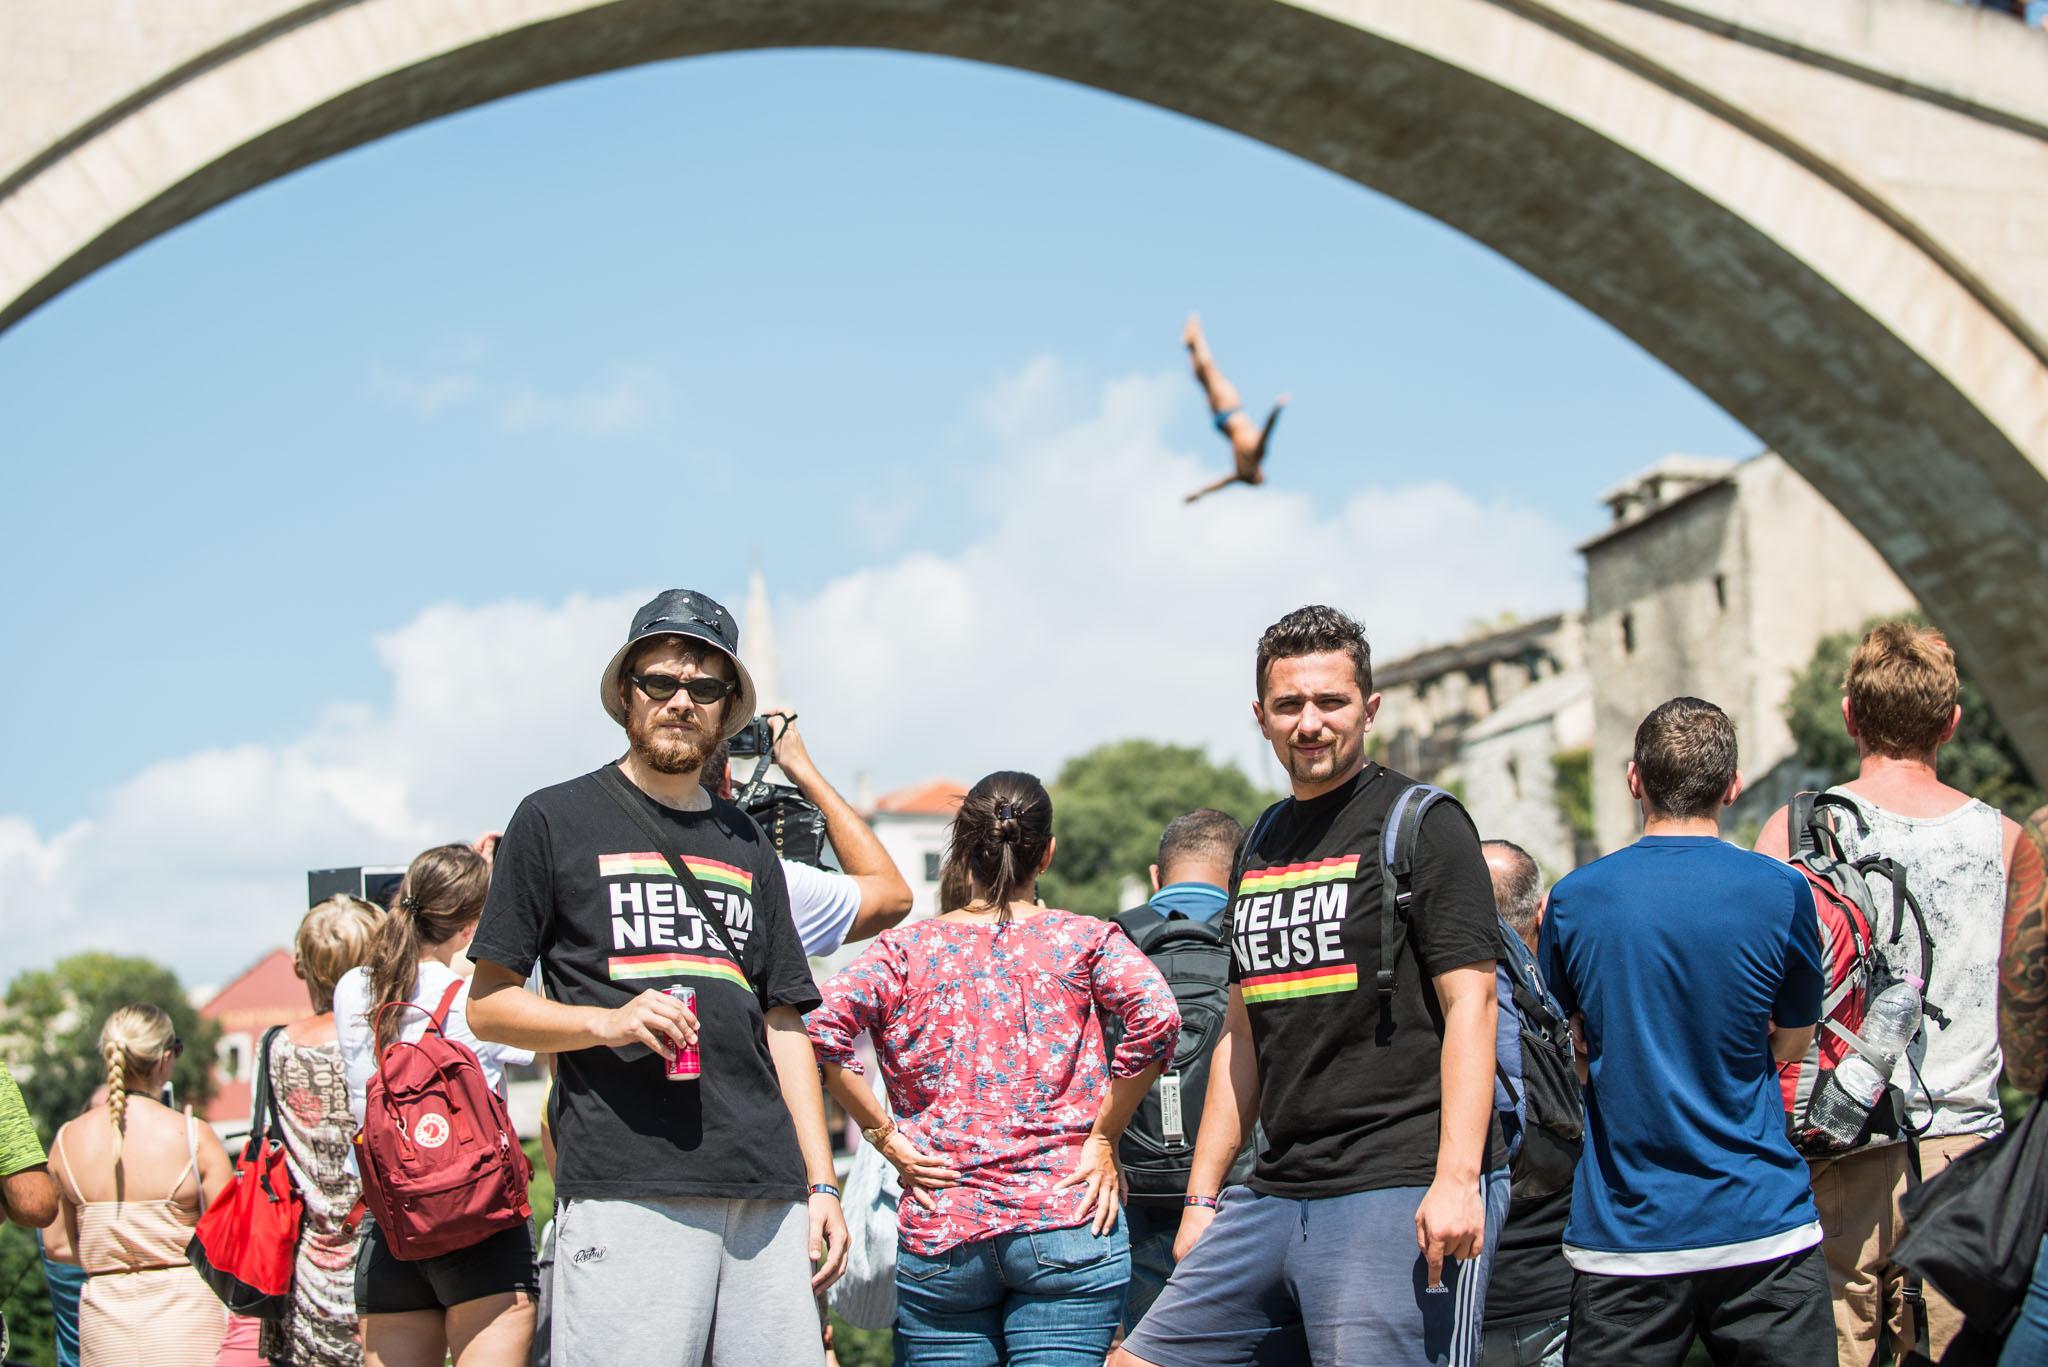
(1345, 1106)
(575, 888)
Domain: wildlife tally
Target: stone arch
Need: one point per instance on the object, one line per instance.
(1789, 211)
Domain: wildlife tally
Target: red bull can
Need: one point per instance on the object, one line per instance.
(684, 1065)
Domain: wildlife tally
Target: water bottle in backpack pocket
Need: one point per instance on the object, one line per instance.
(1835, 1096)
(1844, 1098)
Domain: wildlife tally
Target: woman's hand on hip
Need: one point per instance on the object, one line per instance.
(922, 1173)
(1099, 1172)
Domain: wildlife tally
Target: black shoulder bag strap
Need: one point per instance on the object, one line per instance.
(614, 783)
(263, 1121)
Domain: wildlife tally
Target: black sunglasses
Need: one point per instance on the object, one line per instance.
(177, 1047)
(702, 689)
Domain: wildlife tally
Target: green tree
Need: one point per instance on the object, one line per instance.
(24, 1300)
(1981, 760)
(1572, 771)
(1110, 805)
(861, 1347)
(56, 1014)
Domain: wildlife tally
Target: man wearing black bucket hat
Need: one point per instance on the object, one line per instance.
(684, 1219)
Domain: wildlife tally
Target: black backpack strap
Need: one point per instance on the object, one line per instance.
(1398, 840)
(1913, 1291)
(613, 782)
(1811, 830)
(1799, 838)
(1140, 923)
(1251, 842)
(1904, 902)
(1182, 931)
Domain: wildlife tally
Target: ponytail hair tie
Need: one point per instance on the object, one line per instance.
(409, 903)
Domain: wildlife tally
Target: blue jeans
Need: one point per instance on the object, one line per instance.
(66, 1282)
(2027, 1344)
(1042, 1298)
(1538, 1343)
(1152, 1234)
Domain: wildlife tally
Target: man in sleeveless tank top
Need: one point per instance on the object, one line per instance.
(1900, 708)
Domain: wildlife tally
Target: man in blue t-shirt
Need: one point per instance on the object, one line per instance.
(1692, 968)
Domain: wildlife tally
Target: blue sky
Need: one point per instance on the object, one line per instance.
(902, 330)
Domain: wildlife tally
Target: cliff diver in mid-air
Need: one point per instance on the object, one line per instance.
(1247, 442)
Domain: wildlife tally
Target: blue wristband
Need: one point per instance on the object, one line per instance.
(824, 1189)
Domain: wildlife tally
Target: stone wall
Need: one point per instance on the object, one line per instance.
(1722, 594)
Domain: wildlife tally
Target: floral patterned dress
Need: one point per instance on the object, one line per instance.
(990, 1043)
(311, 1095)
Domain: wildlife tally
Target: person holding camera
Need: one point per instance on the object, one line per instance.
(695, 1175)
(869, 894)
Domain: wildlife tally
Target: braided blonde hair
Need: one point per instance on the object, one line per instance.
(134, 1040)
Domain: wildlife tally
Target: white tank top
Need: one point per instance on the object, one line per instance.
(1955, 865)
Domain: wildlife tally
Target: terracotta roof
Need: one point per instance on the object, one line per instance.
(933, 797)
(230, 1101)
(267, 990)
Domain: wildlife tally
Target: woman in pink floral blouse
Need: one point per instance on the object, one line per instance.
(987, 1023)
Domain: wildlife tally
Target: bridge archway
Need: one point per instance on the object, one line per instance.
(1794, 211)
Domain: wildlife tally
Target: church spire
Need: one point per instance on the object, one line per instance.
(757, 636)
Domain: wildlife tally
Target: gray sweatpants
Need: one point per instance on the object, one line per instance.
(684, 1282)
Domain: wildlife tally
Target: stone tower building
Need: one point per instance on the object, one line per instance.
(1717, 579)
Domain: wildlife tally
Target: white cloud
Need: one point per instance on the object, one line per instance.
(623, 405)
(879, 519)
(453, 374)
(1090, 604)
(1095, 604)
(425, 394)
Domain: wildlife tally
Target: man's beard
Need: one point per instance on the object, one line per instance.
(1317, 768)
(668, 750)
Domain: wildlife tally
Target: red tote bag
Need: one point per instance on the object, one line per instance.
(248, 1239)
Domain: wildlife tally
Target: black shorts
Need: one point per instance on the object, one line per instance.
(1770, 1314)
(392, 1286)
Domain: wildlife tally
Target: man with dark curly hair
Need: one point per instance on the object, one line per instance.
(1365, 1231)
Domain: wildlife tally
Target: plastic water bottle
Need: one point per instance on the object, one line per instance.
(1842, 1106)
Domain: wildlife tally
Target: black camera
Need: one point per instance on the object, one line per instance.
(794, 826)
(757, 737)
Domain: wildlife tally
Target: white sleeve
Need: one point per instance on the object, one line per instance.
(495, 1058)
(823, 905)
(352, 1033)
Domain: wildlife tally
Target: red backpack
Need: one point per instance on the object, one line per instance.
(442, 1168)
(1855, 968)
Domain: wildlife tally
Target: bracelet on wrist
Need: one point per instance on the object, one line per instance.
(824, 1189)
(1205, 1202)
(879, 1135)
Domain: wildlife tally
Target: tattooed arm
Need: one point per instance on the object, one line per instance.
(2023, 972)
